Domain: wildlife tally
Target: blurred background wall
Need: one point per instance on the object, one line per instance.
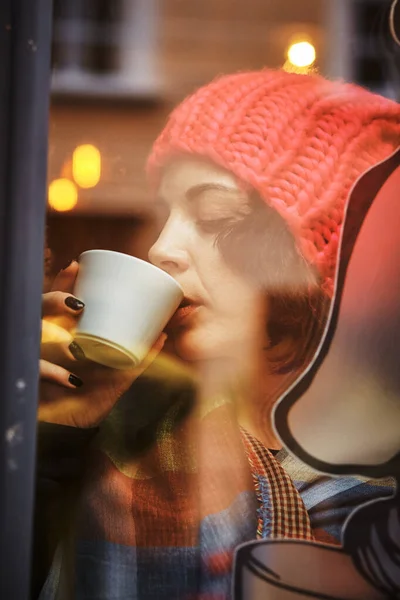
(119, 66)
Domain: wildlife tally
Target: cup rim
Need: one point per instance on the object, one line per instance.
(135, 259)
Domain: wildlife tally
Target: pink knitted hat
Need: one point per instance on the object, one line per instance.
(299, 140)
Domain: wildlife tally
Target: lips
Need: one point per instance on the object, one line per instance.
(185, 310)
(186, 302)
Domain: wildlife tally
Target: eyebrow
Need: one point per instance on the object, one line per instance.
(195, 191)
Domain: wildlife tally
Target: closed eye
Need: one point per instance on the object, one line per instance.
(213, 226)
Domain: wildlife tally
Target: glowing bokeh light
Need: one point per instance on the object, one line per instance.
(301, 54)
(63, 195)
(86, 166)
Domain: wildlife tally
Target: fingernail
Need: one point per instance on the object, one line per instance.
(163, 337)
(69, 264)
(75, 381)
(76, 351)
(74, 303)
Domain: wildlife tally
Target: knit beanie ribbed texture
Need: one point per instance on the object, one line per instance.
(300, 141)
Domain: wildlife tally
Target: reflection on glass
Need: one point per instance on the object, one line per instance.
(176, 466)
(86, 166)
(301, 54)
(63, 195)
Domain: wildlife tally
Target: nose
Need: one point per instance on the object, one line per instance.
(170, 251)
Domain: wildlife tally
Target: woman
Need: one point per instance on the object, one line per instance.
(251, 174)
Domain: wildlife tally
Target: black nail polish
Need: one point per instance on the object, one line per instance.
(76, 351)
(75, 381)
(74, 303)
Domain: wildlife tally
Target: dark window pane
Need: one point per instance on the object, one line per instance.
(370, 71)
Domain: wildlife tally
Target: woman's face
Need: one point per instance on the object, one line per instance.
(222, 311)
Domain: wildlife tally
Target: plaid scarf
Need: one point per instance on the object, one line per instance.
(164, 522)
(281, 511)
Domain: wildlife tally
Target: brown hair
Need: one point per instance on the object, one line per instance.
(261, 247)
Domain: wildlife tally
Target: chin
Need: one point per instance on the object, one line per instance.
(188, 349)
(198, 346)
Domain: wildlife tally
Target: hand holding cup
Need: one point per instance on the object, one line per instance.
(75, 390)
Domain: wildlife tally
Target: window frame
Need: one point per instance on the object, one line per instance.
(25, 41)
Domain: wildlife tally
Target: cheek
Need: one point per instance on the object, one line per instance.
(238, 316)
(230, 320)
(216, 277)
(231, 314)
(232, 297)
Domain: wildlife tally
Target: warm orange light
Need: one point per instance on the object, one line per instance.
(63, 195)
(66, 170)
(301, 54)
(86, 166)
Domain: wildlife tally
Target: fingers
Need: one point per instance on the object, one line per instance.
(159, 345)
(65, 280)
(53, 334)
(57, 374)
(58, 345)
(61, 303)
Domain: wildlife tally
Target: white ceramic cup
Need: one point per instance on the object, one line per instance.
(128, 302)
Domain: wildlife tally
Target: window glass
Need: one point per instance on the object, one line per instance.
(189, 404)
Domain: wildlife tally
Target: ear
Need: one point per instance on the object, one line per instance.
(343, 414)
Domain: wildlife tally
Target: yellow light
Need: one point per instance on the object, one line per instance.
(63, 195)
(301, 54)
(86, 166)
